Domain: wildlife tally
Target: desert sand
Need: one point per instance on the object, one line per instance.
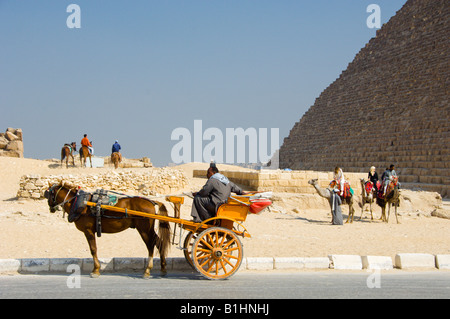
(296, 226)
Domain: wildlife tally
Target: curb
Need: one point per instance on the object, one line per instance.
(336, 262)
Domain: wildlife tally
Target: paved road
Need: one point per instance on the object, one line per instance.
(245, 285)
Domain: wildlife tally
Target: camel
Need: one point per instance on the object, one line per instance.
(392, 198)
(326, 193)
(366, 198)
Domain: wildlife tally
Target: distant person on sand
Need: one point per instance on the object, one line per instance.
(116, 149)
(85, 142)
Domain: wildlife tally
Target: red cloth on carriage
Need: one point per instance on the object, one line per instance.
(257, 205)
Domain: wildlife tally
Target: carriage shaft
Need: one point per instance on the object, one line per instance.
(188, 225)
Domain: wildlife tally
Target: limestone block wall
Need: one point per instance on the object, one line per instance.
(286, 181)
(11, 143)
(155, 181)
(390, 106)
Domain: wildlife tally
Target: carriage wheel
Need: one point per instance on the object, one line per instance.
(217, 253)
(188, 243)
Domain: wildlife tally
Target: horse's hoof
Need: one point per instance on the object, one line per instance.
(146, 276)
(163, 273)
(95, 275)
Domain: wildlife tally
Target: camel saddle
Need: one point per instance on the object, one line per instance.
(368, 187)
(348, 191)
(392, 184)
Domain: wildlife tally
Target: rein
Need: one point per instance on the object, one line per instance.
(65, 198)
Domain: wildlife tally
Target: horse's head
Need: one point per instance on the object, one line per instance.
(74, 145)
(57, 195)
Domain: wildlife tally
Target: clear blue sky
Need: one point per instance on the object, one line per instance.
(136, 70)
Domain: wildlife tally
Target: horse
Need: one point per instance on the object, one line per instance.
(367, 197)
(116, 158)
(84, 153)
(66, 151)
(392, 197)
(114, 222)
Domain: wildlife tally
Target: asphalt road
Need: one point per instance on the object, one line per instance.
(245, 285)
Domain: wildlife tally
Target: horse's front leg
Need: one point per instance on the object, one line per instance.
(90, 236)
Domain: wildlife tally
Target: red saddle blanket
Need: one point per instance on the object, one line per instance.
(369, 187)
(347, 190)
(392, 184)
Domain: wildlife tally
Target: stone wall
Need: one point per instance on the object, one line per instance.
(390, 106)
(153, 182)
(11, 143)
(285, 181)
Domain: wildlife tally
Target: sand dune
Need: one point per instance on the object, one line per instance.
(297, 225)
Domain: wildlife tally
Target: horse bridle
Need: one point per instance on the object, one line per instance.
(51, 195)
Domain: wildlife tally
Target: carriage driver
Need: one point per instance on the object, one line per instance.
(215, 193)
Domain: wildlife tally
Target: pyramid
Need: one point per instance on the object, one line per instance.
(390, 106)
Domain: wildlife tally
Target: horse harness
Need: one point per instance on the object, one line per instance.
(100, 197)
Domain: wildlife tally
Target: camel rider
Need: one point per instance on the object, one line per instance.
(373, 177)
(339, 178)
(215, 193)
(85, 142)
(387, 177)
(116, 149)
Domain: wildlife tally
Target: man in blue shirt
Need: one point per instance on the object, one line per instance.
(116, 149)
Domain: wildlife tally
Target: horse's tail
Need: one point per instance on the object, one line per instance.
(63, 153)
(163, 240)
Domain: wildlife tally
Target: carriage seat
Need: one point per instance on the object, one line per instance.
(238, 207)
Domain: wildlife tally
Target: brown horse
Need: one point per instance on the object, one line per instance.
(114, 222)
(116, 158)
(66, 151)
(84, 153)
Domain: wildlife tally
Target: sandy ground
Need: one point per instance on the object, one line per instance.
(297, 225)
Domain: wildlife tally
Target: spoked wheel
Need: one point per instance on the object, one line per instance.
(217, 253)
(188, 243)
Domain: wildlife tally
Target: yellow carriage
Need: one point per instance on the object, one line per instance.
(211, 247)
